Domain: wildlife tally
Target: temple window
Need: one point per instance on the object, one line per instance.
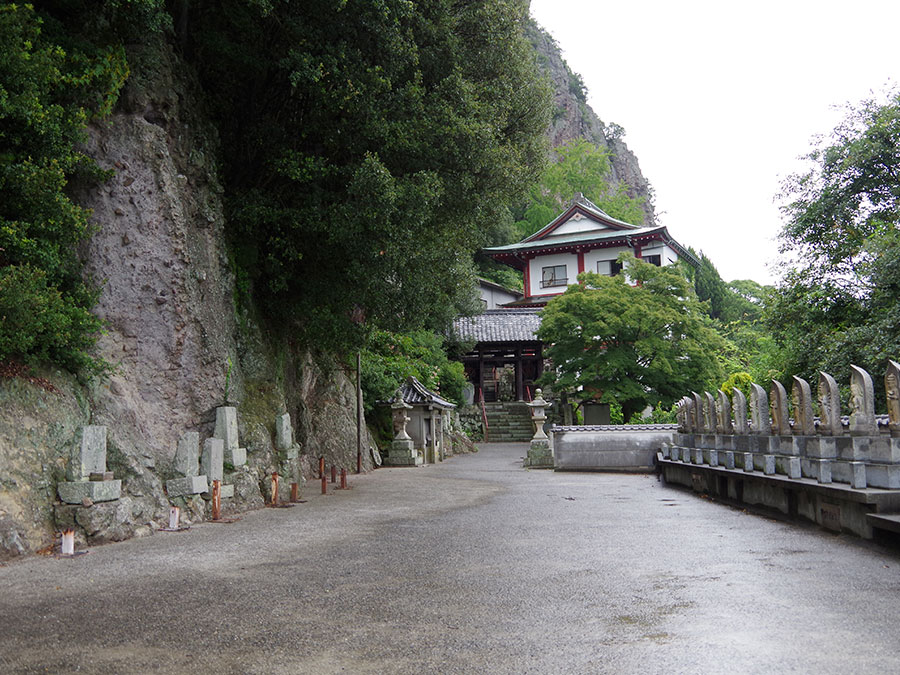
(555, 275)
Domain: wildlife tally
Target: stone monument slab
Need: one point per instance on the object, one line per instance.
(187, 454)
(213, 459)
(227, 427)
(89, 456)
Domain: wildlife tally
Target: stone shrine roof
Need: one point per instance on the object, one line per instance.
(499, 325)
(415, 393)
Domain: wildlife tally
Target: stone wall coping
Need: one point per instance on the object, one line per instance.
(614, 427)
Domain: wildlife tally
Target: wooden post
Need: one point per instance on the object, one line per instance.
(520, 376)
(295, 490)
(274, 488)
(217, 500)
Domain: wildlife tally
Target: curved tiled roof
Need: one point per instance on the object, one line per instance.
(499, 325)
(414, 392)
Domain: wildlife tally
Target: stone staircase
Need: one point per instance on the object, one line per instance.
(508, 421)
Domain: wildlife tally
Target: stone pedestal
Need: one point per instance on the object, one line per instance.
(540, 456)
(403, 453)
(236, 456)
(75, 492)
(184, 487)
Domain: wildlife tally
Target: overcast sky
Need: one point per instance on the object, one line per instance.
(719, 99)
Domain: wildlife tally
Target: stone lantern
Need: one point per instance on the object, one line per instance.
(403, 452)
(540, 456)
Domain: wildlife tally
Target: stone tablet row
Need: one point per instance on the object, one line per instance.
(769, 414)
(200, 469)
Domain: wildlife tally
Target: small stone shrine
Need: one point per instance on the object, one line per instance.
(427, 419)
(540, 454)
(86, 471)
(187, 463)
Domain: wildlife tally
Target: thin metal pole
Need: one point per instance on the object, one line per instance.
(358, 412)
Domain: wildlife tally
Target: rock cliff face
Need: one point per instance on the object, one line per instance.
(574, 118)
(179, 341)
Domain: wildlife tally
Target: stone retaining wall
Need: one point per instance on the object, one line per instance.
(620, 447)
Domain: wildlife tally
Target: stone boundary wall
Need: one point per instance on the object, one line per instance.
(838, 471)
(781, 435)
(613, 447)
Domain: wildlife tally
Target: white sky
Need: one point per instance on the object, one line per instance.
(719, 99)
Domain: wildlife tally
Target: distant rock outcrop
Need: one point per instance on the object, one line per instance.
(574, 118)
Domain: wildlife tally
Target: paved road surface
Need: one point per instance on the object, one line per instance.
(471, 566)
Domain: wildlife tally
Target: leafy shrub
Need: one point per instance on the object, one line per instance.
(389, 358)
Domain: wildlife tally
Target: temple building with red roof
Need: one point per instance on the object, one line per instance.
(582, 238)
(507, 353)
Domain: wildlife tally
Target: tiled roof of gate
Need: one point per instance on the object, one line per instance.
(499, 325)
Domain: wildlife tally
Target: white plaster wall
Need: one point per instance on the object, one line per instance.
(591, 258)
(535, 266)
(494, 297)
(573, 226)
(667, 255)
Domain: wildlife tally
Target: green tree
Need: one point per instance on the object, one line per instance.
(370, 144)
(636, 340)
(838, 300)
(580, 167)
(47, 96)
(389, 358)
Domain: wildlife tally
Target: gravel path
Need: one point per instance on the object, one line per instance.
(473, 565)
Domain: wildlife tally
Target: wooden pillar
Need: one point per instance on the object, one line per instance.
(481, 373)
(520, 376)
(527, 278)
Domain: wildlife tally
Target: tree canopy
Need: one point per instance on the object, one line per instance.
(369, 146)
(641, 338)
(839, 300)
(580, 166)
